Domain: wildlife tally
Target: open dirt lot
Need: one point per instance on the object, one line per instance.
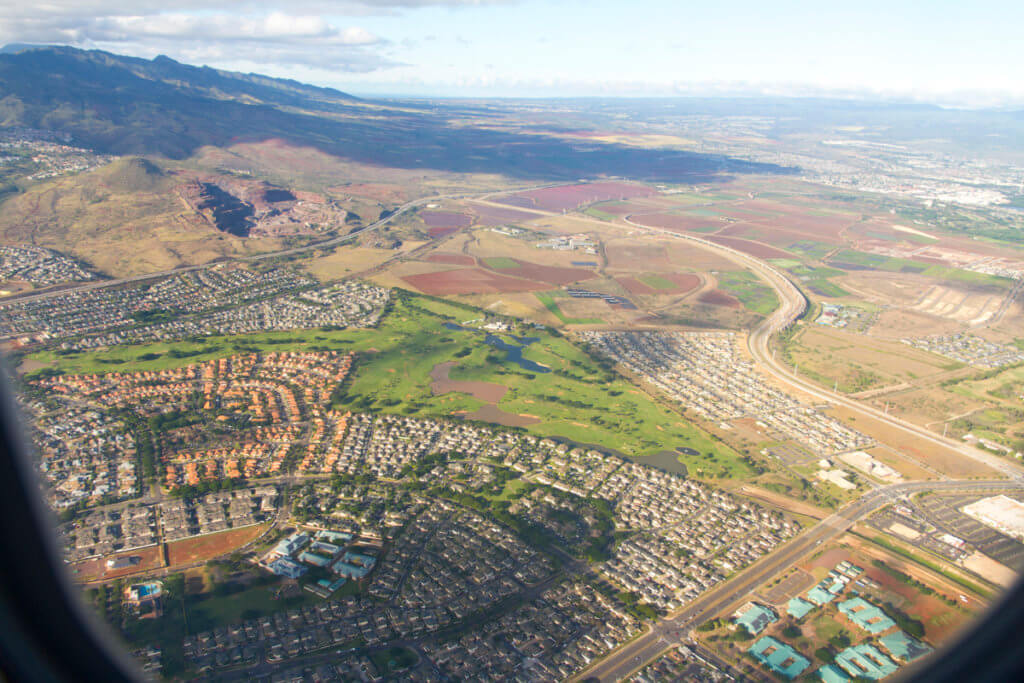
(346, 260)
(968, 306)
(202, 548)
(748, 247)
(554, 275)
(494, 215)
(933, 455)
(677, 222)
(860, 362)
(485, 391)
(451, 259)
(470, 281)
(572, 196)
(446, 219)
(96, 569)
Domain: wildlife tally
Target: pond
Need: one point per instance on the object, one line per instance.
(512, 353)
(515, 354)
(667, 461)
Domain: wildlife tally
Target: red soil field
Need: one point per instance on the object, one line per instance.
(555, 275)
(446, 219)
(515, 200)
(485, 391)
(776, 234)
(202, 548)
(636, 256)
(685, 281)
(492, 413)
(820, 226)
(635, 287)
(619, 209)
(741, 215)
(748, 247)
(572, 196)
(492, 215)
(717, 297)
(471, 281)
(96, 569)
(668, 221)
(441, 232)
(381, 192)
(452, 259)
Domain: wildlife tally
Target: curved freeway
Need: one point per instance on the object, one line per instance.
(793, 305)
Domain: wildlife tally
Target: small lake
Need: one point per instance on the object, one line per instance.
(515, 354)
(667, 461)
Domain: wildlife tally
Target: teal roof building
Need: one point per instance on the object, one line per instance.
(830, 673)
(866, 661)
(865, 615)
(819, 596)
(798, 608)
(756, 618)
(903, 647)
(779, 657)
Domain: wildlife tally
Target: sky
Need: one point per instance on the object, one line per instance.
(955, 53)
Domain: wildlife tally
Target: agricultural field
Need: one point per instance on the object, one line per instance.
(572, 196)
(548, 299)
(750, 290)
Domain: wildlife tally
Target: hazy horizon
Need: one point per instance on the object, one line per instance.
(949, 55)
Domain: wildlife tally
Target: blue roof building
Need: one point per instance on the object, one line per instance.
(359, 558)
(830, 673)
(754, 617)
(866, 661)
(326, 548)
(865, 615)
(314, 559)
(289, 545)
(779, 657)
(798, 608)
(352, 571)
(286, 567)
(819, 596)
(337, 537)
(904, 648)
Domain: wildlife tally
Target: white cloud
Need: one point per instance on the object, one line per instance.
(272, 28)
(215, 31)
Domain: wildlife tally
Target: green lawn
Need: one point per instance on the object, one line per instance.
(597, 213)
(578, 400)
(501, 263)
(884, 263)
(552, 305)
(826, 288)
(810, 248)
(656, 281)
(750, 290)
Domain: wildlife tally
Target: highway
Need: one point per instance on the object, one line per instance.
(673, 628)
(793, 305)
